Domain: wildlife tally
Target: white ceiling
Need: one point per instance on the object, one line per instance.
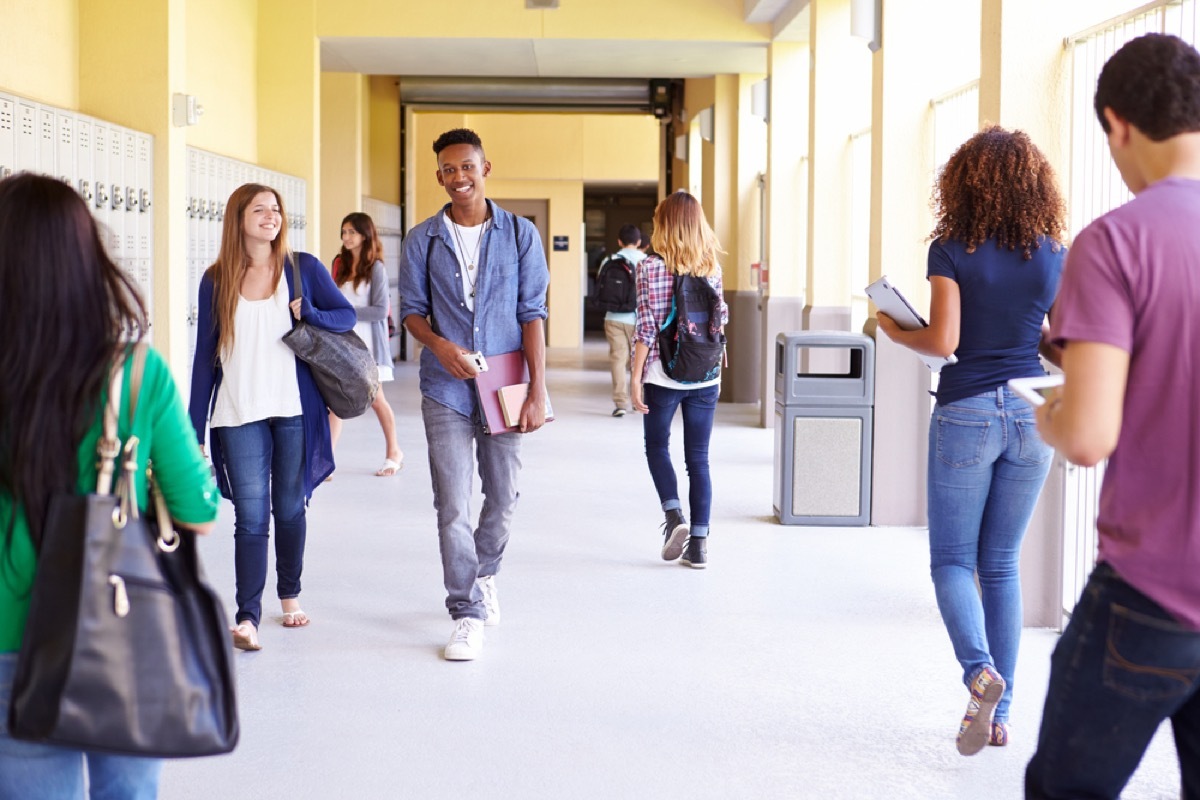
(541, 58)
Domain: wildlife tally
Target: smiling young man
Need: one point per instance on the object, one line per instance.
(1126, 317)
(473, 277)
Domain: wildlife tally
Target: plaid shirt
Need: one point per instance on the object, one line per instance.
(655, 285)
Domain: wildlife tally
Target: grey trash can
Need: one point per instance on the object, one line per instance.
(824, 415)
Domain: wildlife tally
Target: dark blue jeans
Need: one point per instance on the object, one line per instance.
(265, 462)
(1122, 666)
(699, 409)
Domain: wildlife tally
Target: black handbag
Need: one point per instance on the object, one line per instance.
(341, 363)
(126, 647)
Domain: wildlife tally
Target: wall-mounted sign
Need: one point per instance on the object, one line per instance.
(562, 243)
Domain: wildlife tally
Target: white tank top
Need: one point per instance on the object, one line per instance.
(259, 375)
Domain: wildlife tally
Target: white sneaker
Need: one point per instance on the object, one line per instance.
(466, 641)
(491, 600)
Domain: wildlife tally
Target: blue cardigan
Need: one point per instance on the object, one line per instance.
(323, 306)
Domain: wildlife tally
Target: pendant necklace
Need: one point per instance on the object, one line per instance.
(462, 248)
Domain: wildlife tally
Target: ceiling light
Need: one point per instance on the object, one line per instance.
(541, 4)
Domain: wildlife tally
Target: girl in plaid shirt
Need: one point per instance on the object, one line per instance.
(683, 244)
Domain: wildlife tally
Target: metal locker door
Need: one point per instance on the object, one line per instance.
(194, 251)
(144, 171)
(102, 198)
(85, 175)
(8, 136)
(131, 227)
(116, 197)
(64, 141)
(26, 131)
(47, 150)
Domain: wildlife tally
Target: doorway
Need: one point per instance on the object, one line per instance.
(607, 207)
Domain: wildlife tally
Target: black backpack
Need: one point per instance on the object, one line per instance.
(615, 287)
(689, 349)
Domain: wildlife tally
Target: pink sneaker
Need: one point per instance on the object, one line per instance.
(975, 730)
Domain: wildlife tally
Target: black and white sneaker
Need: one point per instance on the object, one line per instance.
(675, 533)
(695, 555)
(618, 412)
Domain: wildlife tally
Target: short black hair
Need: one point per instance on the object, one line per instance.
(458, 136)
(630, 235)
(1152, 82)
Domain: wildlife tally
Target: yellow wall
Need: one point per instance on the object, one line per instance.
(382, 178)
(342, 104)
(39, 50)
(222, 50)
(289, 88)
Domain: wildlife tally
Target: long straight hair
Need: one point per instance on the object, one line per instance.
(232, 261)
(359, 269)
(67, 309)
(683, 237)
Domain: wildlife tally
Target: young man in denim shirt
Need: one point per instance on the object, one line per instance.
(473, 277)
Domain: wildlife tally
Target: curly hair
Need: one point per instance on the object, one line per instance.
(998, 185)
(1152, 82)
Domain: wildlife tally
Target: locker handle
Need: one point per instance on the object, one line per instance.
(131, 199)
(101, 196)
(144, 203)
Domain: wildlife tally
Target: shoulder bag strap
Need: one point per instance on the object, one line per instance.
(109, 444)
(125, 482)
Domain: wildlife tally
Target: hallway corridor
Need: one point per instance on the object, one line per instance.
(804, 663)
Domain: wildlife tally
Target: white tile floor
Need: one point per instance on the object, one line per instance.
(804, 663)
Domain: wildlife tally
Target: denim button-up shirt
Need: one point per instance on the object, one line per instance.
(511, 291)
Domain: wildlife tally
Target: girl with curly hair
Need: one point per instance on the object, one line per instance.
(994, 265)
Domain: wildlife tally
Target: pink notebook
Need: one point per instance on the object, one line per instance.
(506, 371)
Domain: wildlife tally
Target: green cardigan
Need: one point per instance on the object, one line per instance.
(181, 472)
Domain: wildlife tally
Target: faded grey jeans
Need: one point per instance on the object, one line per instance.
(469, 553)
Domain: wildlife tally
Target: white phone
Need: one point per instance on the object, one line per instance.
(1035, 390)
(475, 361)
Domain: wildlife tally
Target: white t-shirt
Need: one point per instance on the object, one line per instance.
(470, 239)
(259, 376)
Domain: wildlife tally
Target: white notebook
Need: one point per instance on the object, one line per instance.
(889, 300)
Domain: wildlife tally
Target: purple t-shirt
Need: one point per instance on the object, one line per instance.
(1132, 280)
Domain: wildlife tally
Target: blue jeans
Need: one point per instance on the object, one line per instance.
(57, 773)
(1122, 666)
(699, 409)
(987, 465)
(469, 554)
(265, 463)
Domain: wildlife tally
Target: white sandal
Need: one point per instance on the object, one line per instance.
(390, 467)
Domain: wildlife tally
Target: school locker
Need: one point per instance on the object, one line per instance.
(84, 161)
(101, 199)
(138, 207)
(8, 139)
(26, 132)
(46, 146)
(64, 147)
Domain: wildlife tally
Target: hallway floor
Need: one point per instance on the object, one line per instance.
(804, 663)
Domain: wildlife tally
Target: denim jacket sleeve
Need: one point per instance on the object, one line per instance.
(534, 273)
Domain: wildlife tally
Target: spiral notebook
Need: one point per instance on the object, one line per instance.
(507, 373)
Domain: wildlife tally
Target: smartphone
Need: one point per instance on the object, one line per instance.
(1035, 390)
(475, 361)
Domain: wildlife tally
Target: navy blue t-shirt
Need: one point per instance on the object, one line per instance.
(1004, 300)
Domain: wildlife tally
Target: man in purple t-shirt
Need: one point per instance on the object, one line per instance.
(1128, 318)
